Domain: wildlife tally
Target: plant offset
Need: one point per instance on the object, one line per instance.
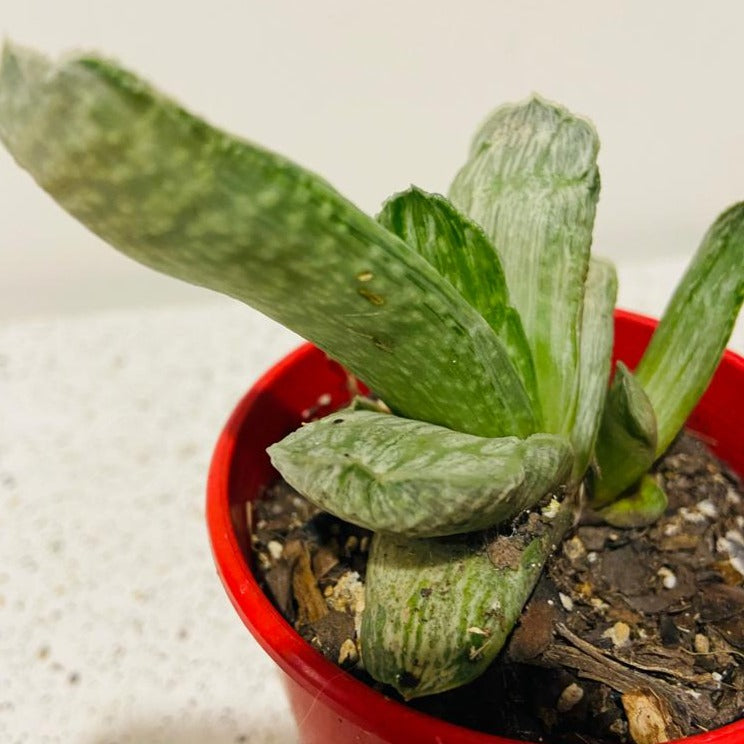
(480, 319)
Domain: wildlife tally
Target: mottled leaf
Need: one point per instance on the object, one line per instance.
(460, 251)
(532, 183)
(408, 477)
(626, 444)
(595, 359)
(437, 611)
(178, 195)
(689, 341)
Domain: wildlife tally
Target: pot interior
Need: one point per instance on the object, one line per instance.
(307, 384)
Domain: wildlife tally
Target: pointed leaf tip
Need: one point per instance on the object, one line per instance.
(626, 444)
(462, 254)
(531, 182)
(688, 343)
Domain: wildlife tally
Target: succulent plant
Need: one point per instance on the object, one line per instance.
(481, 320)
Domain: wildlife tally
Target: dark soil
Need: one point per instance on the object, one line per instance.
(631, 635)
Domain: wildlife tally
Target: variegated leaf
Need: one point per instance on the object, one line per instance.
(595, 359)
(178, 195)
(460, 251)
(685, 349)
(397, 475)
(626, 445)
(437, 611)
(532, 183)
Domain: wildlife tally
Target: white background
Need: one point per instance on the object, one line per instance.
(377, 95)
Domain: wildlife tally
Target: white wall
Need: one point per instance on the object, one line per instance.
(375, 95)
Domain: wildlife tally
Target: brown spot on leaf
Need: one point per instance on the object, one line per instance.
(371, 297)
(408, 681)
(382, 344)
(504, 552)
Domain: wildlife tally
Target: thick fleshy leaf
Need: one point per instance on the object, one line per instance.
(641, 507)
(532, 183)
(626, 445)
(397, 475)
(460, 251)
(189, 200)
(595, 360)
(689, 341)
(437, 611)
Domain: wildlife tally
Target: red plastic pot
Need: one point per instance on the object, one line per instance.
(330, 705)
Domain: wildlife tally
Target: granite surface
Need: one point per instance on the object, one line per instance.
(114, 628)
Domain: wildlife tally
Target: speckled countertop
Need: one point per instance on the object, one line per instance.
(114, 628)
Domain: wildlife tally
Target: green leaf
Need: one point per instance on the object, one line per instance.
(189, 200)
(689, 341)
(626, 445)
(595, 359)
(460, 251)
(532, 183)
(391, 474)
(437, 611)
(640, 508)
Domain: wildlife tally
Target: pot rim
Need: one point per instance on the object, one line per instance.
(348, 696)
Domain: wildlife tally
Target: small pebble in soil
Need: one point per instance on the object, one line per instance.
(668, 579)
(571, 696)
(619, 634)
(566, 601)
(701, 644)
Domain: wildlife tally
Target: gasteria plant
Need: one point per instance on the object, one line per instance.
(480, 320)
